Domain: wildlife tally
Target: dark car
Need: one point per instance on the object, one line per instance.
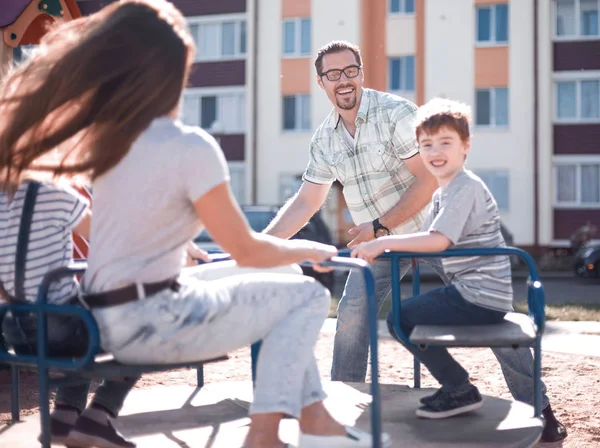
(260, 216)
(587, 261)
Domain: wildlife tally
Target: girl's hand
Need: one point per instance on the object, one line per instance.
(194, 253)
(368, 251)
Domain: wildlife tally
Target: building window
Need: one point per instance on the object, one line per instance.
(219, 40)
(218, 112)
(401, 6)
(578, 100)
(492, 107)
(296, 113)
(492, 24)
(498, 184)
(237, 182)
(577, 183)
(577, 18)
(296, 37)
(401, 74)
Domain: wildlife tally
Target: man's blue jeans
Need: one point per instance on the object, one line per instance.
(67, 337)
(351, 346)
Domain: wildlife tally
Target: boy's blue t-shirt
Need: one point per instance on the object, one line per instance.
(466, 213)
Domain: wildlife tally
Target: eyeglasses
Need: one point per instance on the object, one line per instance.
(351, 71)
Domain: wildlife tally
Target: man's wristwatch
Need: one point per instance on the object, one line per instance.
(379, 229)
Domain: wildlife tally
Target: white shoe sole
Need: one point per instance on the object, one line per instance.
(450, 413)
(354, 439)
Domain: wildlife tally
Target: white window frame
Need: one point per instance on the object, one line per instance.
(576, 77)
(200, 92)
(239, 166)
(492, 124)
(577, 35)
(219, 20)
(492, 42)
(496, 172)
(403, 57)
(297, 38)
(402, 11)
(298, 110)
(576, 161)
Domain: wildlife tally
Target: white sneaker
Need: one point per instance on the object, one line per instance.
(354, 438)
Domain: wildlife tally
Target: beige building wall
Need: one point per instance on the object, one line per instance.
(401, 40)
(545, 111)
(456, 66)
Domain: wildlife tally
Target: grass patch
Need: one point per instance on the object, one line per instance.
(564, 312)
(568, 311)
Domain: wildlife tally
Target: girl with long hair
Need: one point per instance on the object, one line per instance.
(100, 98)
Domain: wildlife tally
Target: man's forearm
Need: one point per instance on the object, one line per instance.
(290, 219)
(417, 196)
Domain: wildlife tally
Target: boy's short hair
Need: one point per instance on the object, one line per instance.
(443, 113)
(336, 46)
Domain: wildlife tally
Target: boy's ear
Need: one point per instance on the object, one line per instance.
(320, 82)
(468, 145)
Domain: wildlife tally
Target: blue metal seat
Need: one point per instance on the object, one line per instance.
(94, 364)
(517, 330)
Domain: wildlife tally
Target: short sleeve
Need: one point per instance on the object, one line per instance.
(403, 136)
(455, 212)
(317, 171)
(203, 166)
(76, 206)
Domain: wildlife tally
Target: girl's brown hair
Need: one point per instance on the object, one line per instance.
(78, 104)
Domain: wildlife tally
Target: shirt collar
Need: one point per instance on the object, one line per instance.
(363, 110)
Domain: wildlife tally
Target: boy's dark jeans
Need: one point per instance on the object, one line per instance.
(443, 306)
(67, 337)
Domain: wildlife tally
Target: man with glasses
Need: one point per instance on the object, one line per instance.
(367, 143)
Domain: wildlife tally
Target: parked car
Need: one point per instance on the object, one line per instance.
(587, 261)
(260, 216)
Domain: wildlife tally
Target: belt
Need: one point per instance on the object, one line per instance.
(128, 294)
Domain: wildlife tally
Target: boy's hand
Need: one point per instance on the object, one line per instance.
(368, 251)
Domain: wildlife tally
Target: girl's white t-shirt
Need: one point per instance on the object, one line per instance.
(144, 213)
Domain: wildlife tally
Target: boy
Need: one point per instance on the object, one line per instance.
(463, 214)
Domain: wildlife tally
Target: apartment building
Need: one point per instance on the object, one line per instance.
(217, 95)
(529, 68)
(569, 112)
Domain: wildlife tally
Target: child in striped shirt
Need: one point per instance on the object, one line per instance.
(59, 211)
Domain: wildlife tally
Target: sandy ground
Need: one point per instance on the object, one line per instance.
(573, 382)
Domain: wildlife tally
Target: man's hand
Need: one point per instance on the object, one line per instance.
(368, 251)
(194, 253)
(362, 233)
